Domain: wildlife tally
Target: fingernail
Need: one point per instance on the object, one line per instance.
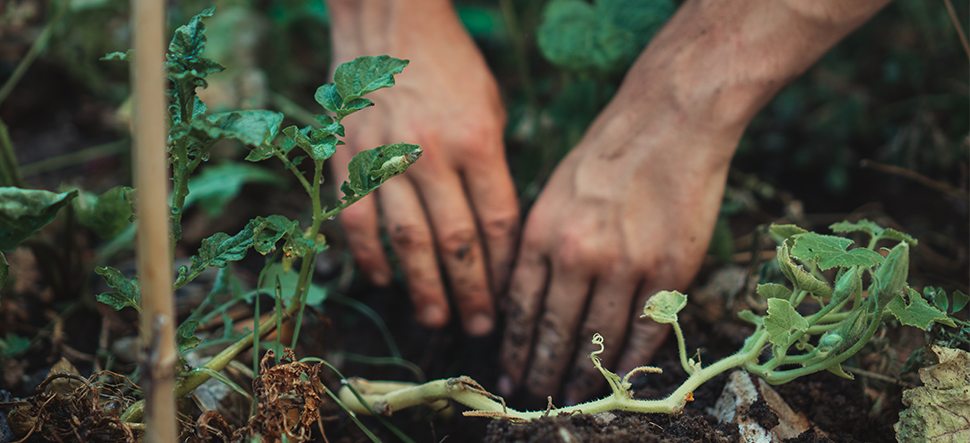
(480, 324)
(433, 316)
(380, 278)
(504, 385)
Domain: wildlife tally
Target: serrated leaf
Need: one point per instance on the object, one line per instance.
(108, 214)
(186, 335)
(219, 184)
(328, 97)
(25, 211)
(365, 75)
(319, 150)
(860, 226)
(267, 231)
(918, 312)
(127, 56)
(127, 291)
(773, 290)
(289, 281)
(253, 127)
(960, 301)
(782, 321)
(829, 251)
(782, 232)
(663, 306)
(218, 250)
(185, 61)
(892, 234)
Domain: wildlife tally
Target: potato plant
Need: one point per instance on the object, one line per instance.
(787, 342)
(191, 135)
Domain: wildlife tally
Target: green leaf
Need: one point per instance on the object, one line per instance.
(254, 127)
(4, 270)
(799, 276)
(329, 98)
(873, 230)
(319, 150)
(353, 106)
(267, 231)
(574, 35)
(892, 234)
(918, 312)
(837, 370)
(108, 214)
(185, 61)
(216, 186)
(369, 168)
(782, 232)
(829, 251)
(186, 335)
(782, 321)
(289, 281)
(128, 56)
(126, 292)
(14, 345)
(664, 306)
(773, 290)
(960, 301)
(25, 211)
(641, 18)
(750, 317)
(938, 296)
(217, 250)
(364, 75)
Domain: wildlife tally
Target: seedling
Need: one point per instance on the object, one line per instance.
(786, 343)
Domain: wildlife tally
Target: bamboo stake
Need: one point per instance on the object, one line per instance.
(153, 255)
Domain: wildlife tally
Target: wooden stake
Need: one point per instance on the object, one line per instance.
(153, 255)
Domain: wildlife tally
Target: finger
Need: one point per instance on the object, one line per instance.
(411, 239)
(493, 196)
(459, 247)
(360, 220)
(556, 331)
(608, 315)
(646, 336)
(524, 303)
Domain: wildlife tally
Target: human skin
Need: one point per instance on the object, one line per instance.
(456, 207)
(628, 212)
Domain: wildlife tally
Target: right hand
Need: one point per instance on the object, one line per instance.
(456, 206)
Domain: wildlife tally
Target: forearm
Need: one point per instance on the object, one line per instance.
(720, 61)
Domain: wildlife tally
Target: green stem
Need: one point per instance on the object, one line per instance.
(62, 161)
(681, 348)
(9, 168)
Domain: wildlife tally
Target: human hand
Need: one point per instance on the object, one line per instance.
(457, 205)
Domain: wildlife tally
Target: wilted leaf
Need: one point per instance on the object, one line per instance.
(355, 79)
(216, 186)
(773, 290)
(799, 276)
(782, 321)
(938, 411)
(663, 306)
(126, 290)
(829, 251)
(108, 214)
(186, 335)
(25, 211)
(918, 312)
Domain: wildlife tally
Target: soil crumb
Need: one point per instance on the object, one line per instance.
(609, 427)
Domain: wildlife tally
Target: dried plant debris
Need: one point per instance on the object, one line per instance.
(69, 408)
(288, 399)
(939, 411)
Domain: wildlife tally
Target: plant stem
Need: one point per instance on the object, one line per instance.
(9, 169)
(681, 348)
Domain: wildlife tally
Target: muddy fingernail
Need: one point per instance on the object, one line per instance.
(480, 324)
(433, 316)
(505, 386)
